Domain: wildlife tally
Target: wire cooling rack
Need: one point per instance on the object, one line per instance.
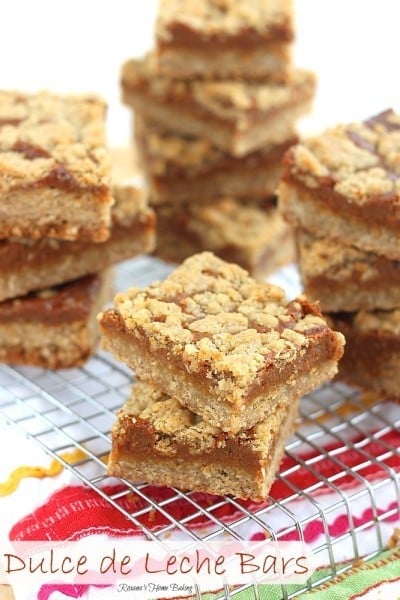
(341, 453)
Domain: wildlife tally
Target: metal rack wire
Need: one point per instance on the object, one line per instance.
(76, 408)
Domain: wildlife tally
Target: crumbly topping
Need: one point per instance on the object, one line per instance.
(379, 320)
(47, 136)
(360, 160)
(227, 17)
(218, 321)
(166, 151)
(175, 425)
(128, 187)
(227, 222)
(225, 99)
(163, 149)
(329, 258)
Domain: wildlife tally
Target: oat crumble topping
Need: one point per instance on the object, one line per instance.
(225, 16)
(360, 161)
(329, 258)
(227, 99)
(43, 132)
(214, 317)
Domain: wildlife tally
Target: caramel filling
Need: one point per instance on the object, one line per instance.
(15, 255)
(66, 303)
(138, 440)
(382, 210)
(246, 38)
(226, 164)
(323, 346)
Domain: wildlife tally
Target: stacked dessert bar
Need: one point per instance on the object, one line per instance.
(342, 190)
(222, 362)
(215, 107)
(60, 225)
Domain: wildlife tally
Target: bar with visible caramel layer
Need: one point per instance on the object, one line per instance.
(54, 172)
(236, 116)
(31, 265)
(253, 235)
(344, 278)
(181, 168)
(228, 348)
(54, 328)
(372, 355)
(345, 184)
(156, 440)
(221, 39)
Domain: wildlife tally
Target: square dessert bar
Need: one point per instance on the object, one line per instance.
(345, 184)
(225, 38)
(54, 328)
(253, 235)
(230, 349)
(180, 168)
(156, 440)
(30, 265)
(236, 116)
(54, 174)
(372, 356)
(344, 278)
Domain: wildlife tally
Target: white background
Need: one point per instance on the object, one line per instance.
(79, 46)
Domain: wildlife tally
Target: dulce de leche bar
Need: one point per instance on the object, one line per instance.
(54, 173)
(252, 235)
(228, 348)
(372, 356)
(236, 116)
(54, 328)
(179, 167)
(27, 265)
(156, 440)
(225, 38)
(345, 278)
(345, 184)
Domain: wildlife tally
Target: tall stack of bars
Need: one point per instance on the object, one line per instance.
(222, 362)
(216, 106)
(342, 191)
(60, 224)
